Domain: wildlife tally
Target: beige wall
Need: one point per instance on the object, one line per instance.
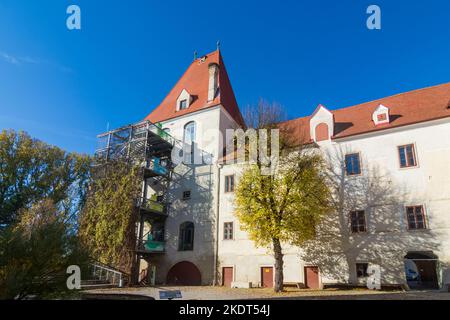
(383, 190)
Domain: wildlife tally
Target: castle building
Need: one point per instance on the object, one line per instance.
(391, 159)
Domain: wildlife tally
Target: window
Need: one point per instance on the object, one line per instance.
(183, 104)
(358, 221)
(186, 242)
(189, 139)
(416, 217)
(229, 183)
(361, 270)
(352, 164)
(228, 231)
(407, 156)
(186, 195)
(382, 117)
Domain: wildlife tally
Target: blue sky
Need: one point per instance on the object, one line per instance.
(65, 86)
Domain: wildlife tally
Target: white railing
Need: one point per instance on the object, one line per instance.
(107, 274)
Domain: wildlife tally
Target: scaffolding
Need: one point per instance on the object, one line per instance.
(148, 146)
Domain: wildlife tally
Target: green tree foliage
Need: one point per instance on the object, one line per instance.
(108, 221)
(35, 254)
(285, 207)
(31, 170)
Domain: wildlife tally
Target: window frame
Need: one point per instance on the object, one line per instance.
(365, 221)
(424, 217)
(183, 246)
(181, 104)
(359, 164)
(191, 141)
(364, 276)
(227, 184)
(414, 153)
(382, 117)
(184, 197)
(225, 228)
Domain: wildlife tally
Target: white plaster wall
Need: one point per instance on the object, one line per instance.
(241, 252)
(200, 179)
(388, 190)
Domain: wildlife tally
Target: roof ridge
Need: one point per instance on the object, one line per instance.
(393, 96)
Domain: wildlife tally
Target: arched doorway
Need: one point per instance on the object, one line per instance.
(422, 270)
(184, 273)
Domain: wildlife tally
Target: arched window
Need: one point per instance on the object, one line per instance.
(189, 132)
(189, 139)
(186, 238)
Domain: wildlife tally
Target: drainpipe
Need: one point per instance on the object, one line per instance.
(216, 248)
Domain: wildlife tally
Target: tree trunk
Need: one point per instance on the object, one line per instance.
(278, 255)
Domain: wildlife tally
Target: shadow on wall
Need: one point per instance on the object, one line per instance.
(198, 209)
(386, 240)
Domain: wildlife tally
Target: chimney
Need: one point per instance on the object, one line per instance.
(213, 69)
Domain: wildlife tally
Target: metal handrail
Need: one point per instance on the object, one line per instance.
(151, 205)
(142, 245)
(108, 271)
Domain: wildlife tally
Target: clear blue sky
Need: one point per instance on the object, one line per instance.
(64, 86)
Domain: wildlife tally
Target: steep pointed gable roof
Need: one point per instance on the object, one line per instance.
(195, 80)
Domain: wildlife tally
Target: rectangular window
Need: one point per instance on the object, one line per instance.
(186, 195)
(382, 117)
(183, 104)
(407, 156)
(416, 217)
(228, 231)
(358, 221)
(352, 164)
(361, 270)
(229, 183)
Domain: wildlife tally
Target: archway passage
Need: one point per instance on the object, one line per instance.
(422, 270)
(184, 274)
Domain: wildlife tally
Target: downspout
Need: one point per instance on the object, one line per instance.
(216, 248)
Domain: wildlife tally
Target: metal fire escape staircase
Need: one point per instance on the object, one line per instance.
(150, 147)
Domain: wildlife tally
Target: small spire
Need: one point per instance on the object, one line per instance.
(218, 44)
(195, 55)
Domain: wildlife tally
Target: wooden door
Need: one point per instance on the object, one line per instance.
(312, 277)
(227, 276)
(267, 277)
(428, 274)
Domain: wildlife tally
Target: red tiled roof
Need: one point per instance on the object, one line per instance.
(195, 81)
(412, 107)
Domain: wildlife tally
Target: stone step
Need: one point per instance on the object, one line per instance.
(104, 285)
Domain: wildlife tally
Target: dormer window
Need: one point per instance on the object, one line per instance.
(183, 104)
(321, 124)
(381, 115)
(183, 100)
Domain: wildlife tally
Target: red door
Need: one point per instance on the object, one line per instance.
(227, 276)
(267, 277)
(312, 277)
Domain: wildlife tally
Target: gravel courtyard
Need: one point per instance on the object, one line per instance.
(221, 293)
